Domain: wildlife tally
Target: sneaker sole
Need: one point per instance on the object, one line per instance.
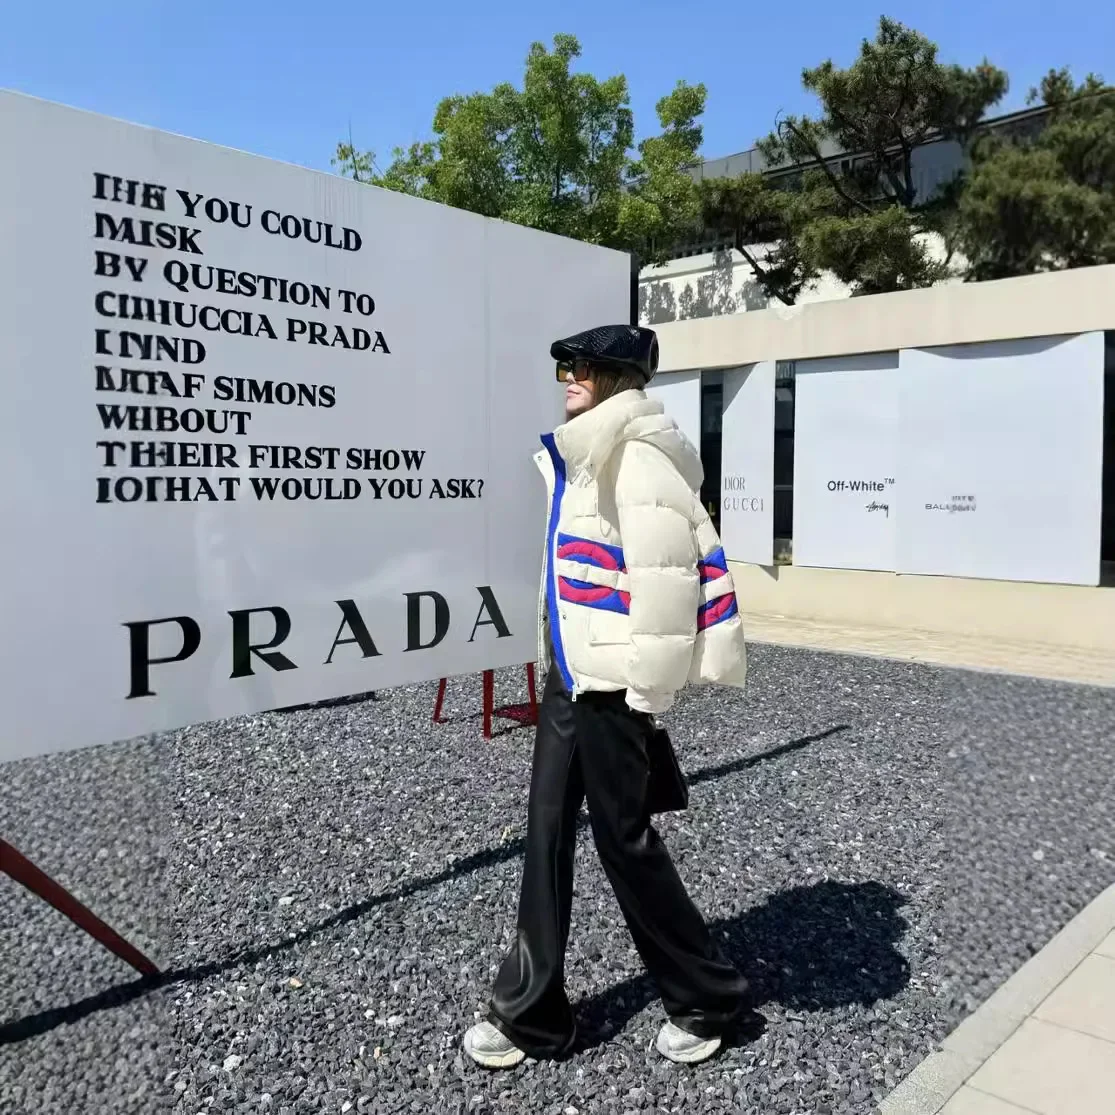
(693, 1056)
(506, 1060)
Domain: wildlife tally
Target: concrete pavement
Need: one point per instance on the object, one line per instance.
(1056, 661)
(1043, 1044)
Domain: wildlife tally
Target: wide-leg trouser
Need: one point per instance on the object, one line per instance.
(595, 748)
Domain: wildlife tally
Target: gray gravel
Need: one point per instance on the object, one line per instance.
(879, 844)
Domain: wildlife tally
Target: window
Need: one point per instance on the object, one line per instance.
(784, 383)
(1107, 528)
(712, 415)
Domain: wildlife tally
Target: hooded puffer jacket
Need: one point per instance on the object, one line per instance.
(636, 592)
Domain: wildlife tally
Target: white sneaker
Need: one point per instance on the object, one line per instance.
(683, 1048)
(490, 1048)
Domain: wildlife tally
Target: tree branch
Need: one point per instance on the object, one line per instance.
(834, 181)
(907, 151)
(903, 187)
(762, 275)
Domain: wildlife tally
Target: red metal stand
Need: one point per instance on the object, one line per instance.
(440, 701)
(20, 868)
(489, 701)
(521, 714)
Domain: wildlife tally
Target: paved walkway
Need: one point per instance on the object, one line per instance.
(1060, 662)
(1043, 1044)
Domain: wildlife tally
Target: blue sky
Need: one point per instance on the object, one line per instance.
(288, 79)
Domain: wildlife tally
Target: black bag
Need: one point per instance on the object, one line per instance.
(667, 790)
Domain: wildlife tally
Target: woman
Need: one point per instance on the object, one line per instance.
(636, 601)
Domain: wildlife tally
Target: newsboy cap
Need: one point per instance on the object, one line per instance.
(616, 346)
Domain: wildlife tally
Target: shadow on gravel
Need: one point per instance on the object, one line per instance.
(807, 948)
(331, 703)
(792, 922)
(736, 766)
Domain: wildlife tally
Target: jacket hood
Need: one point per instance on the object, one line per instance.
(590, 439)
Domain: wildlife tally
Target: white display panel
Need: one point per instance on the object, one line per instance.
(1000, 460)
(845, 427)
(747, 464)
(248, 406)
(680, 394)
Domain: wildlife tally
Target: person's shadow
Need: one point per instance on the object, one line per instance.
(806, 948)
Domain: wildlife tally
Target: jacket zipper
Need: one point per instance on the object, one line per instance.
(551, 564)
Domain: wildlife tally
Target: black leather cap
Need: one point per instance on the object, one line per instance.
(617, 346)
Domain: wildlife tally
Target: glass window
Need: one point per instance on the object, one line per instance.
(784, 408)
(712, 409)
(783, 460)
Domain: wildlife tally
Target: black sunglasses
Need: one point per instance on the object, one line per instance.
(580, 369)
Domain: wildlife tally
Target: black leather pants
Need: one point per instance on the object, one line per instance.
(595, 748)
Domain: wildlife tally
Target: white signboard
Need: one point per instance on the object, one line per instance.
(680, 394)
(1001, 452)
(747, 464)
(265, 434)
(845, 427)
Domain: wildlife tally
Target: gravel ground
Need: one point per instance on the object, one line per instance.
(879, 844)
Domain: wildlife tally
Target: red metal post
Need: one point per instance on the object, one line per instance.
(440, 701)
(489, 701)
(20, 868)
(531, 691)
(522, 714)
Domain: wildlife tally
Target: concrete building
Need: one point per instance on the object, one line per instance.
(842, 439)
(707, 277)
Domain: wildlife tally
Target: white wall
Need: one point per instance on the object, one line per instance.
(747, 464)
(715, 284)
(1048, 305)
(980, 461)
(680, 394)
(462, 382)
(711, 285)
(1050, 308)
(1000, 457)
(845, 448)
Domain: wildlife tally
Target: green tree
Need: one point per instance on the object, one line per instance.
(556, 154)
(855, 208)
(765, 225)
(659, 204)
(1045, 203)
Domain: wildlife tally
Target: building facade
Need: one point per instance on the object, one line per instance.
(707, 277)
(966, 430)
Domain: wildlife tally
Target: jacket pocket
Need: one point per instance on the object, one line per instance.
(607, 628)
(592, 584)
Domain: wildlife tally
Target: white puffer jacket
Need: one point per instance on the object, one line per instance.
(635, 583)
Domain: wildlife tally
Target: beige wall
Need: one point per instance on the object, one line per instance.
(1063, 302)
(1066, 615)
(711, 284)
(723, 282)
(1057, 304)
